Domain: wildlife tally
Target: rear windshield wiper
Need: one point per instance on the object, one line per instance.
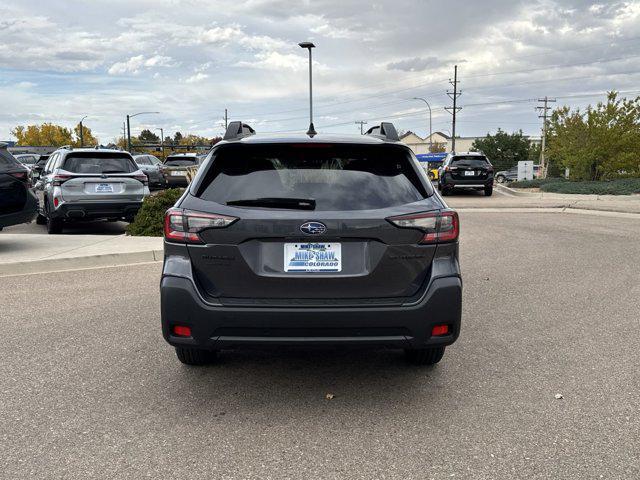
(276, 202)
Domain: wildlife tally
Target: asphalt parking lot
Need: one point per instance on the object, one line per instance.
(90, 389)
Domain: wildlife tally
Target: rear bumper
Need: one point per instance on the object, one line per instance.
(403, 326)
(449, 182)
(96, 210)
(176, 181)
(26, 215)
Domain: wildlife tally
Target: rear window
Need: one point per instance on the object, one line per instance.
(6, 159)
(101, 163)
(337, 176)
(470, 161)
(181, 161)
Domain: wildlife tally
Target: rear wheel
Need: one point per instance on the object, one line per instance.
(54, 225)
(445, 191)
(41, 219)
(488, 191)
(500, 179)
(424, 356)
(195, 356)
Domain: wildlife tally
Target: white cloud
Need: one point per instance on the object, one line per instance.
(198, 77)
(139, 62)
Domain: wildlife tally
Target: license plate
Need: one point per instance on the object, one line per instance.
(104, 188)
(312, 257)
(178, 174)
(469, 173)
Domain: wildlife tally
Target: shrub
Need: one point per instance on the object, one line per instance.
(536, 182)
(148, 221)
(626, 186)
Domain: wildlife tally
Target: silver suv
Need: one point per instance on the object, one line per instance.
(89, 184)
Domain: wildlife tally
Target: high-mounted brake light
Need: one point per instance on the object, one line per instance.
(184, 226)
(438, 227)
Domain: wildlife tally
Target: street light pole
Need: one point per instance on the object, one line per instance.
(161, 141)
(82, 132)
(309, 46)
(129, 127)
(430, 131)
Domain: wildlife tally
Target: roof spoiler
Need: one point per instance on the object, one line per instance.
(385, 130)
(238, 130)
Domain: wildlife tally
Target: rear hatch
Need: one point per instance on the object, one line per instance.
(177, 166)
(312, 223)
(99, 177)
(13, 184)
(470, 167)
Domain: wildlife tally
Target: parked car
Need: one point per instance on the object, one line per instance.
(310, 240)
(18, 204)
(27, 159)
(36, 168)
(511, 175)
(176, 168)
(469, 170)
(89, 184)
(153, 168)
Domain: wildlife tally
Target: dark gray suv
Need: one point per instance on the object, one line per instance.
(310, 240)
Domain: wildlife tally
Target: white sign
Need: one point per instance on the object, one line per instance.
(525, 170)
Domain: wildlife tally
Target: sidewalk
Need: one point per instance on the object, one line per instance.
(506, 198)
(34, 253)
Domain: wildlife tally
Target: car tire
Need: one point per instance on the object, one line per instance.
(488, 191)
(500, 179)
(54, 225)
(424, 356)
(195, 356)
(445, 191)
(41, 219)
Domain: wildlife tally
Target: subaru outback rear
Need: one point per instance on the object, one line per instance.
(310, 241)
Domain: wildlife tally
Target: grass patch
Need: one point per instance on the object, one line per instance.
(624, 186)
(150, 218)
(536, 182)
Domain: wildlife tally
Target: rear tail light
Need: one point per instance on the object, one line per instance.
(438, 227)
(20, 176)
(184, 226)
(58, 180)
(142, 178)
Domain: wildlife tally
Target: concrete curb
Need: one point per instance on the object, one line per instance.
(559, 209)
(514, 192)
(79, 263)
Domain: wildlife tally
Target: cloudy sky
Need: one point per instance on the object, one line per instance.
(191, 59)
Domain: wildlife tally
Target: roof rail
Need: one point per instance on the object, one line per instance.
(238, 130)
(66, 147)
(385, 130)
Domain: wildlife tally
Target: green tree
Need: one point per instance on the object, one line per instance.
(602, 142)
(177, 137)
(147, 136)
(504, 150)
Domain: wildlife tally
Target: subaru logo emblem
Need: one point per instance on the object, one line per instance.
(313, 228)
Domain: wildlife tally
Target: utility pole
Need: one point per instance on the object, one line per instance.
(544, 108)
(455, 109)
(226, 120)
(124, 133)
(362, 123)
